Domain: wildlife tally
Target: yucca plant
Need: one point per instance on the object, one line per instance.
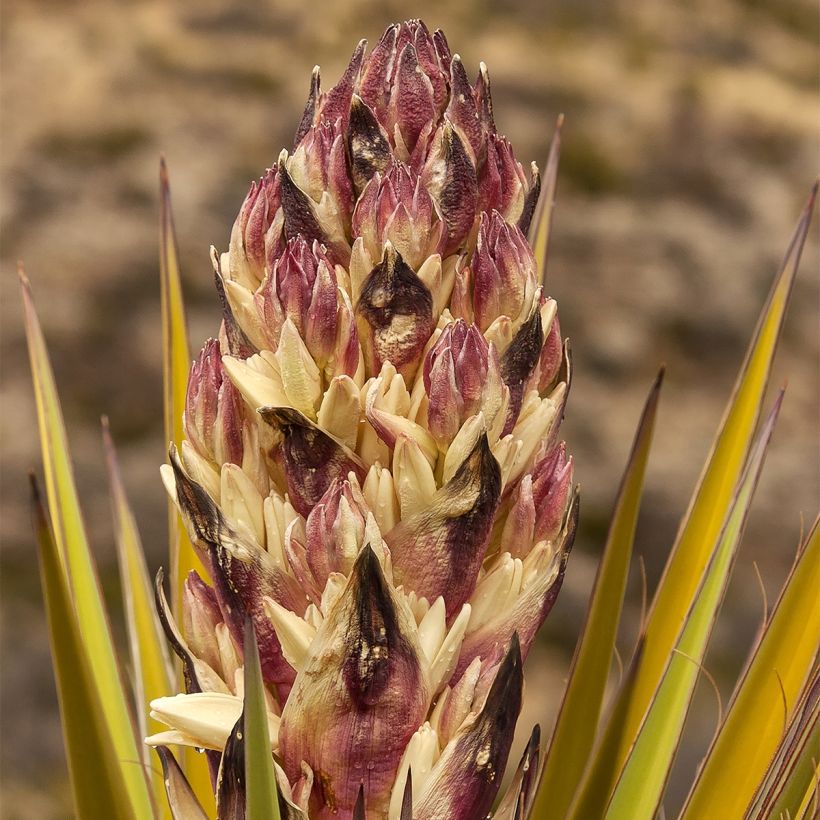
(372, 511)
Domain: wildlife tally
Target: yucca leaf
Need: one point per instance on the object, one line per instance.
(541, 226)
(77, 564)
(639, 789)
(152, 671)
(697, 535)
(778, 670)
(176, 361)
(181, 798)
(262, 802)
(577, 723)
(96, 778)
(793, 773)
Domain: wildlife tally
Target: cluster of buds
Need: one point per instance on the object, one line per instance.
(373, 473)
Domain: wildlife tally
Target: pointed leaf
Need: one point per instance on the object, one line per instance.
(77, 563)
(779, 668)
(260, 783)
(577, 722)
(97, 781)
(541, 227)
(181, 798)
(176, 362)
(640, 788)
(698, 532)
(152, 671)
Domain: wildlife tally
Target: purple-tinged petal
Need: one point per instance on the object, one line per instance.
(200, 616)
(466, 778)
(377, 73)
(484, 99)
(360, 697)
(336, 102)
(438, 551)
(462, 112)
(300, 218)
(311, 458)
(311, 107)
(412, 105)
(551, 486)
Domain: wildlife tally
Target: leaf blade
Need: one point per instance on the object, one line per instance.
(152, 671)
(260, 780)
(77, 562)
(541, 227)
(699, 530)
(640, 786)
(98, 787)
(779, 668)
(575, 729)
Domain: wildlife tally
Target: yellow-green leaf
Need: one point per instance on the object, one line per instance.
(577, 722)
(176, 362)
(541, 225)
(639, 789)
(77, 563)
(698, 533)
(262, 802)
(152, 671)
(96, 780)
(779, 668)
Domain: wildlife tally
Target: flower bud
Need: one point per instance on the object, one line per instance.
(503, 187)
(503, 272)
(334, 530)
(301, 287)
(396, 207)
(404, 82)
(214, 413)
(201, 615)
(250, 242)
(461, 377)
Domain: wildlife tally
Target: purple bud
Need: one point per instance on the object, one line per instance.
(463, 112)
(456, 377)
(255, 218)
(200, 617)
(519, 362)
(301, 287)
(502, 185)
(334, 530)
(412, 106)
(552, 355)
(551, 486)
(214, 412)
(503, 271)
(396, 207)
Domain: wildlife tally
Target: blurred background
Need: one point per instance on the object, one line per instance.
(690, 143)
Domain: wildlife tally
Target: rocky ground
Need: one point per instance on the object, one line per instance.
(689, 147)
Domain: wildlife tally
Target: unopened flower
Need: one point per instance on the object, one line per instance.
(372, 473)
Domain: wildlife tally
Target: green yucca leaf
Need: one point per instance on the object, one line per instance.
(260, 781)
(152, 671)
(181, 798)
(77, 564)
(697, 536)
(640, 787)
(97, 781)
(577, 722)
(778, 670)
(541, 227)
(175, 363)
